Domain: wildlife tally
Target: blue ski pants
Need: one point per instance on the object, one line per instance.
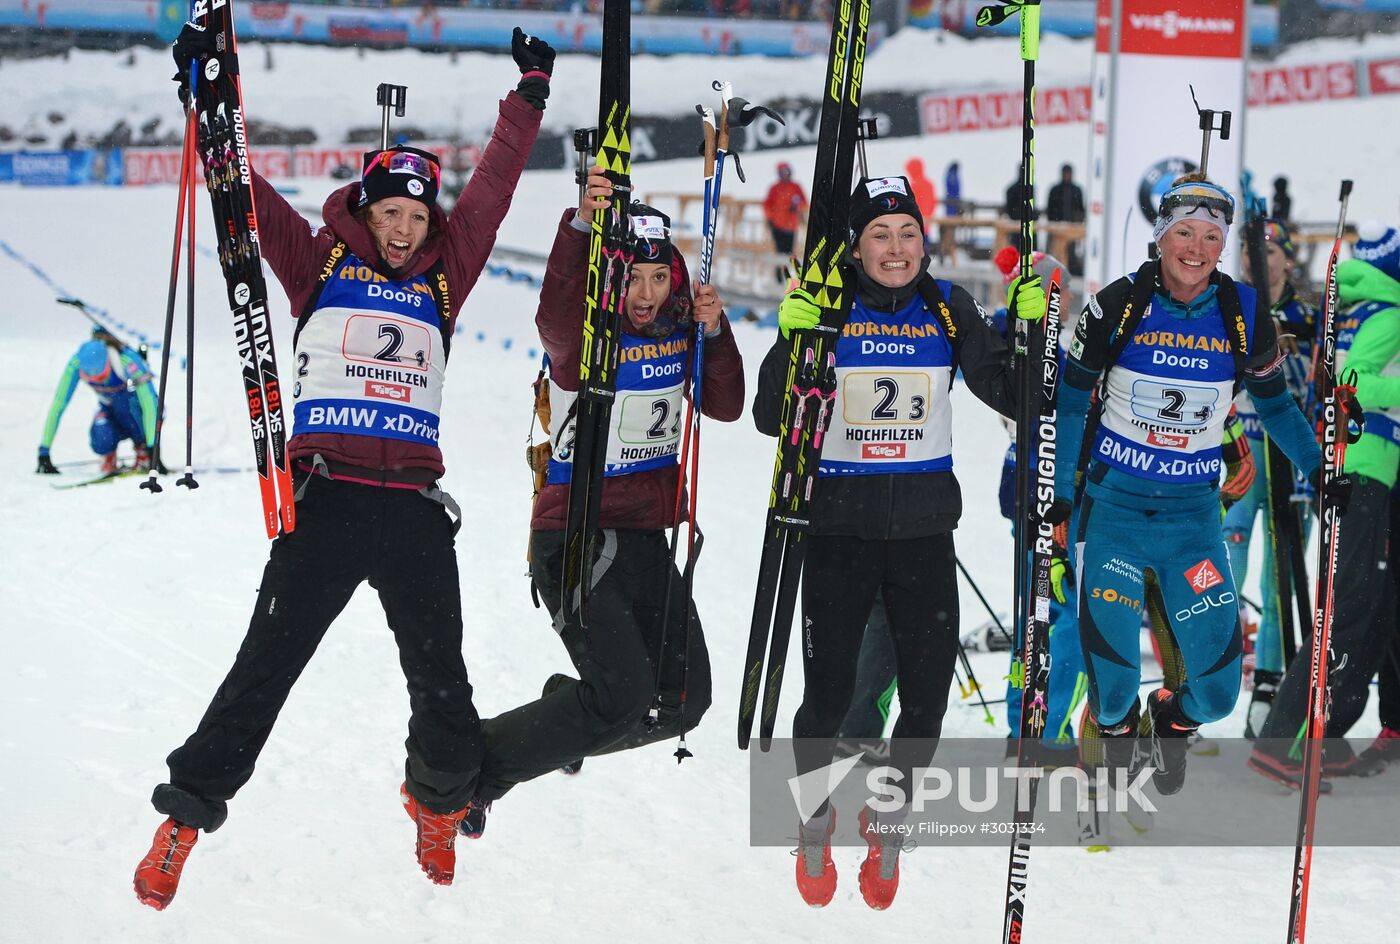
(1115, 546)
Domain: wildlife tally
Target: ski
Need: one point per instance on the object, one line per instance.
(1338, 407)
(810, 390)
(222, 144)
(609, 259)
(1036, 357)
(102, 479)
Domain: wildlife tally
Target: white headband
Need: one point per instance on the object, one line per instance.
(1164, 223)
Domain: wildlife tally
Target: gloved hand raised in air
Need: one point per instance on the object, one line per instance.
(535, 58)
(193, 44)
(1025, 298)
(798, 311)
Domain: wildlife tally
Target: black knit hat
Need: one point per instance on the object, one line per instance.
(881, 197)
(653, 231)
(401, 171)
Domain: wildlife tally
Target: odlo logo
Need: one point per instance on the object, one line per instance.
(1203, 576)
(1205, 605)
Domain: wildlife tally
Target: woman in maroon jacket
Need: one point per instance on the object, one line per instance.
(616, 656)
(376, 291)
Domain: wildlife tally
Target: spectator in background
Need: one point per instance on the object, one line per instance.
(924, 192)
(1283, 202)
(1013, 206)
(952, 190)
(1066, 205)
(783, 208)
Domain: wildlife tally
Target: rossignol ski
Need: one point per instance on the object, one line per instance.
(1036, 358)
(228, 175)
(810, 391)
(609, 259)
(1338, 407)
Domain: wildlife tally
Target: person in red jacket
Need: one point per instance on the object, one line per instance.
(376, 292)
(783, 208)
(605, 709)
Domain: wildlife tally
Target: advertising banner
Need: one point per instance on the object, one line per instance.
(1145, 128)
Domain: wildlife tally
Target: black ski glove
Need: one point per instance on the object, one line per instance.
(194, 44)
(46, 466)
(535, 57)
(1338, 496)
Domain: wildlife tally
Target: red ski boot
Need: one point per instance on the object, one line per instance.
(437, 838)
(879, 873)
(158, 875)
(816, 873)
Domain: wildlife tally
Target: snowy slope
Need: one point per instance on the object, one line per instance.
(126, 609)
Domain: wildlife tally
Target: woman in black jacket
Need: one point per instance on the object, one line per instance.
(886, 501)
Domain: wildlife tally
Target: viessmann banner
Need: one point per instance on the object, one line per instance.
(1148, 51)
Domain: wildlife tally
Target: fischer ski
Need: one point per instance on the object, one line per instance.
(609, 259)
(222, 143)
(810, 391)
(1339, 406)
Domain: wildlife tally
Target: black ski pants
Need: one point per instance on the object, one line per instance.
(606, 708)
(1363, 623)
(401, 541)
(917, 579)
(1389, 683)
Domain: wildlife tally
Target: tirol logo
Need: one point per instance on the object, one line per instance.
(882, 451)
(1157, 180)
(1203, 576)
(387, 391)
(1167, 440)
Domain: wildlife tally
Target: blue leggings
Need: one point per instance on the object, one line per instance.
(116, 421)
(1115, 546)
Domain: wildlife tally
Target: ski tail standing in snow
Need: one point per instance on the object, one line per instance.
(1272, 254)
(1367, 352)
(126, 410)
(1168, 347)
(623, 670)
(885, 504)
(376, 291)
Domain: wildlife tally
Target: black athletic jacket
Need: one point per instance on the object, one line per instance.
(903, 505)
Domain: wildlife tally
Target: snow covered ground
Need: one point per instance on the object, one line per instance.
(127, 609)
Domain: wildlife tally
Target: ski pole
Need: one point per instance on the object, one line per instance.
(1338, 407)
(188, 480)
(972, 686)
(1033, 543)
(186, 172)
(987, 606)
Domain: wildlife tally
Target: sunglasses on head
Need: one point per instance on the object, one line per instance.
(406, 162)
(1213, 200)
